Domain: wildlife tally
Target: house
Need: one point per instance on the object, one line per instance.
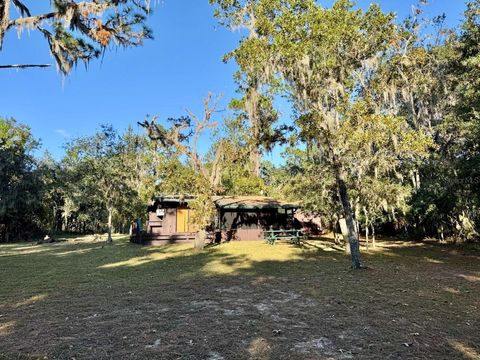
(236, 218)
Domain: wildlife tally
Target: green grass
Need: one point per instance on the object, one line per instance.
(85, 300)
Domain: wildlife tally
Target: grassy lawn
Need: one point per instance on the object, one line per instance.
(79, 299)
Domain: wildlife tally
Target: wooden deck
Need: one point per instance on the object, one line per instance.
(185, 237)
(163, 239)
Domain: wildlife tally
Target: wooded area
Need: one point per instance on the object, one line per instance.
(384, 132)
(377, 119)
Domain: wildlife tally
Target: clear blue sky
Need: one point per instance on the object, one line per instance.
(165, 76)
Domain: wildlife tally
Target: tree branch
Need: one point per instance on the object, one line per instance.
(24, 66)
(4, 19)
(22, 8)
(216, 172)
(35, 20)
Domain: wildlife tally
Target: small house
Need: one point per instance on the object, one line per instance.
(236, 218)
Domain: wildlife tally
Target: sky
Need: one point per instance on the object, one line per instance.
(164, 77)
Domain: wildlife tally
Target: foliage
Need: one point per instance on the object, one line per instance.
(384, 133)
(388, 112)
(204, 176)
(80, 30)
(237, 175)
(103, 180)
(328, 59)
(19, 183)
(447, 203)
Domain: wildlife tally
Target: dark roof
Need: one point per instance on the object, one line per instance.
(174, 198)
(235, 202)
(252, 202)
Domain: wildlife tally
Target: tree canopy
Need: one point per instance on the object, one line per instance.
(79, 30)
(383, 135)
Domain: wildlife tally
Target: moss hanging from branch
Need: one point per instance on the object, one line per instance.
(81, 31)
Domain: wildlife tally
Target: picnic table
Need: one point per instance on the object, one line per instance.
(292, 235)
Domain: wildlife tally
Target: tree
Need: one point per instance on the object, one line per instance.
(237, 175)
(303, 177)
(324, 57)
(256, 81)
(466, 151)
(19, 185)
(143, 162)
(182, 138)
(52, 193)
(101, 172)
(382, 149)
(80, 30)
(459, 134)
(445, 202)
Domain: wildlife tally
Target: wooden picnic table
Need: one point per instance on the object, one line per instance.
(293, 235)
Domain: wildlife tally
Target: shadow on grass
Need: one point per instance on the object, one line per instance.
(236, 301)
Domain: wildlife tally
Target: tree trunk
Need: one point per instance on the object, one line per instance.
(109, 238)
(350, 234)
(200, 238)
(366, 236)
(374, 244)
(255, 159)
(4, 19)
(7, 233)
(442, 236)
(53, 220)
(344, 232)
(366, 233)
(394, 217)
(252, 103)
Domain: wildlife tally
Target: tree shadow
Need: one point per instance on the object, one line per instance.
(236, 300)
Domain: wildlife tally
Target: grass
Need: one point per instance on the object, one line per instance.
(80, 299)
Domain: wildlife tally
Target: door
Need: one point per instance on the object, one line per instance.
(182, 220)
(191, 227)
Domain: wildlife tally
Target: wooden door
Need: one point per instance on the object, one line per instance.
(182, 220)
(191, 226)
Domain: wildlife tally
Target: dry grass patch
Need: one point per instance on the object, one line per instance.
(243, 300)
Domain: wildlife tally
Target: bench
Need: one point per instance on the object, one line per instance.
(293, 235)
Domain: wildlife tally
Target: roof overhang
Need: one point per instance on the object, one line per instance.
(252, 203)
(233, 202)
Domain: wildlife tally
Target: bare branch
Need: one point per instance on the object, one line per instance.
(175, 137)
(24, 66)
(216, 172)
